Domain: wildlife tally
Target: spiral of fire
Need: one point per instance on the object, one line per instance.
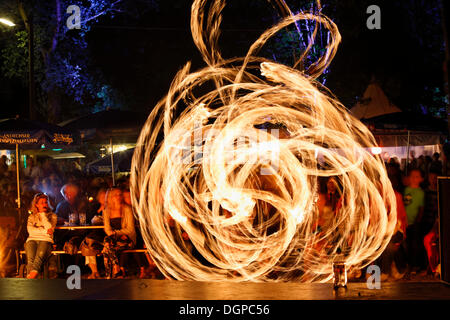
(225, 175)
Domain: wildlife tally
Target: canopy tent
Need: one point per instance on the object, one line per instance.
(399, 133)
(109, 127)
(29, 134)
(405, 121)
(389, 138)
(18, 133)
(399, 144)
(373, 103)
(122, 163)
(121, 125)
(68, 155)
(53, 153)
(407, 128)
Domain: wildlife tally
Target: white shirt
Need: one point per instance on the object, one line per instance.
(38, 226)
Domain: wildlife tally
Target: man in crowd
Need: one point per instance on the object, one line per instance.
(72, 203)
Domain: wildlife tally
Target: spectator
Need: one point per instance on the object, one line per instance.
(430, 212)
(333, 201)
(436, 164)
(120, 232)
(37, 171)
(391, 257)
(94, 239)
(429, 222)
(72, 203)
(12, 168)
(69, 240)
(55, 187)
(41, 225)
(46, 188)
(428, 161)
(422, 165)
(99, 207)
(76, 166)
(3, 165)
(413, 161)
(145, 268)
(325, 212)
(414, 201)
(27, 171)
(395, 176)
(431, 244)
(446, 159)
(333, 193)
(47, 168)
(394, 161)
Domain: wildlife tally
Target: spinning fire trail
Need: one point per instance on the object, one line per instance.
(223, 199)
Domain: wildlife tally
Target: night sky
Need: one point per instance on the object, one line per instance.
(139, 55)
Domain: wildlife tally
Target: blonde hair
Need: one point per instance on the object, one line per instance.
(108, 198)
(126, 212)
(36, 198)
(33, 207)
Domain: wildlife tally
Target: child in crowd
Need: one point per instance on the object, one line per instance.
(414, 201)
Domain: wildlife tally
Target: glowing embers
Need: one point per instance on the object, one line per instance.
(233, 192)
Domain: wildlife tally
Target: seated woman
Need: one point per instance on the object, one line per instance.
(120, 232)
(41, 225)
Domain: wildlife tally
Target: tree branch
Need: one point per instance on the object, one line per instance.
(103, 12)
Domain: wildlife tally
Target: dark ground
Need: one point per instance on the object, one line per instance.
(23, 289)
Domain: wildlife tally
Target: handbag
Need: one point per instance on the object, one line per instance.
(71, 246)
(91, 247)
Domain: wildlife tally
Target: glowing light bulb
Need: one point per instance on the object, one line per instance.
(7, 22)
(376, 150)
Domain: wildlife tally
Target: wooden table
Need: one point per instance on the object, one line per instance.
(76, 227)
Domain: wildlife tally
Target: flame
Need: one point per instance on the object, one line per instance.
(247, 197)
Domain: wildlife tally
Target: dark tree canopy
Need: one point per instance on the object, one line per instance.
(127, 52)
(68, 81)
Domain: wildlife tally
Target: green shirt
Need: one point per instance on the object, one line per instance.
(413, 198)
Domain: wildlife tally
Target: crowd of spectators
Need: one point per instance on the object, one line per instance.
(414, 248)
(71, 192)
(68, 190)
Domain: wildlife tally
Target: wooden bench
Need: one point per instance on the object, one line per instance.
(22, 266)
(56, 252)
